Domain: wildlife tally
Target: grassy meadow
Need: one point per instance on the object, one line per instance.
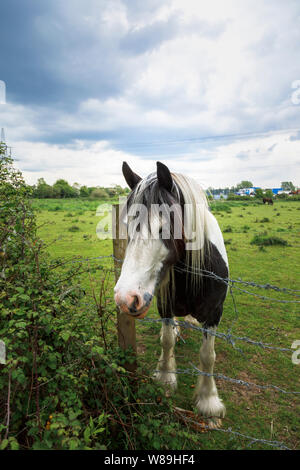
(68, 228)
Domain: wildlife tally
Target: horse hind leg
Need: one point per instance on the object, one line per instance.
(166, 367)
(206, 395)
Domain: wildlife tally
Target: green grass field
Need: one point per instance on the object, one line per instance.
(68, 227)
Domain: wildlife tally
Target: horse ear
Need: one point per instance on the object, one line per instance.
(164, 176)
(132, 179)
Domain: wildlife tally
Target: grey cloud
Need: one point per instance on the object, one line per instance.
(150, 36)
(242, 155)
(295, 137)
(59, 53)
(139, 10)
(140, 40)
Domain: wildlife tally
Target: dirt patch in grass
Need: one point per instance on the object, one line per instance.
(141, 348)
(247, 393)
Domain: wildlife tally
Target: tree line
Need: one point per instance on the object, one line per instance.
(61, 189)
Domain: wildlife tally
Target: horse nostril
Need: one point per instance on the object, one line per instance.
(136, 302)
(132, 302)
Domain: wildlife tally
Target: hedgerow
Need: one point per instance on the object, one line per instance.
(63, 385)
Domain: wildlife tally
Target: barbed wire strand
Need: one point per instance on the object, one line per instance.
(231, 282)
(210, 274)
(254, 440)
(228, 337)
(196, 371)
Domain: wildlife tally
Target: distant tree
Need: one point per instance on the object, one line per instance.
(118, 189)
(268, 193)
(76, 187)
(91, 189)
(98, 193)
(111, 192)
(245, 184)
(63, 189)
(84, 191)
(282, 196)
(43, 190)
(259, 193)
(287, 186)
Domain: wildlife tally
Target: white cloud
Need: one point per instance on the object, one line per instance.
(265, 160)
(94, 164)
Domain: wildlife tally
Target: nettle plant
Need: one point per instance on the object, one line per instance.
(63, 385)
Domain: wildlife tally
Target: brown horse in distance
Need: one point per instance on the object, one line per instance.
(267, 200)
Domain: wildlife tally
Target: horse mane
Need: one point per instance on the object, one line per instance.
(196, 219)
(196, 212)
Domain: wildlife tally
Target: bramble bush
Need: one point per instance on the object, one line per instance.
(64, 385)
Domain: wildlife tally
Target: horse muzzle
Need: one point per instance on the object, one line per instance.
(133, 303)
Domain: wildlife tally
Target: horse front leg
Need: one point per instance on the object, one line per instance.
(206, 396)
(166, 367)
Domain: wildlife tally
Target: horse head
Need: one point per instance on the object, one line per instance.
(152, 214)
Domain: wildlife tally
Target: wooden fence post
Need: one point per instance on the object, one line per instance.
(126, 324)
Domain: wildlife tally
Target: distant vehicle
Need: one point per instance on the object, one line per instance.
(246, 191)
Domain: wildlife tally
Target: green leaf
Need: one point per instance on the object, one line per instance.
(86, 435)
(65, 335)
(4, 444)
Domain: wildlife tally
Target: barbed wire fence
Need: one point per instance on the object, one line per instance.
(229, 337)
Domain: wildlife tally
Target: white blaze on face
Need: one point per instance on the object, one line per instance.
(141, 268)
(143, 262)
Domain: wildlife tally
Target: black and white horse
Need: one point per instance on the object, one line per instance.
(174, 240)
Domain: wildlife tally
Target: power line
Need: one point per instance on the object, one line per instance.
(199, 139)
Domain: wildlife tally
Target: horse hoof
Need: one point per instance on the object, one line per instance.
(211, 407)
(214, 423)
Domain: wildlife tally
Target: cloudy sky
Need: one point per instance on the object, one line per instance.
(212, 89)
